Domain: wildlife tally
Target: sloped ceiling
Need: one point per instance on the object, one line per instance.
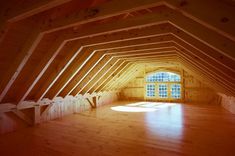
(52, 48)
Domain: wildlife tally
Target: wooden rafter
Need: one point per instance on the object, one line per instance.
(79, 57)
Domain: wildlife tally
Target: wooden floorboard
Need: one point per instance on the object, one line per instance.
(167, 130)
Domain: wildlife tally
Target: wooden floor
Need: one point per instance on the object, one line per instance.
(164, 130)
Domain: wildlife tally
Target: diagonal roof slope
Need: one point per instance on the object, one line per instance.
(69, 47)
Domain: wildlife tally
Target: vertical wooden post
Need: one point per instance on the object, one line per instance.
(94, 101)
(145, 88)
(37, 115)
(182, 86)
(1, 115)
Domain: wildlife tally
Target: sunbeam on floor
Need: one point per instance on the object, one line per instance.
(142, 106)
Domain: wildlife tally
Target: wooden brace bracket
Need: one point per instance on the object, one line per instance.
(46, 110)
(23, 116)
(37, 114)
(93, 101)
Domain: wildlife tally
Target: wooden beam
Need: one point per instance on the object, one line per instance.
(201, 76)
(120, 36)
(102, 79)
(31, 48)
(93, 101)
(126, 77)
(173, 18)
(44, 113)
(207, 65)
(76, 85)
(84, 71)
(14, 11)
(117, 79)
(57, 67)
(217, 46)
(218, 21)
(37, 114)
(111, 76)
(207, 73)
(23, 116)
(103, 70)
(102, 62)
(202, 52)
(97, 13)
(156, 56)
(112, 38)
(49, 61)
(204, 71)
(97, 71)
(127, 80)
(65, 77)
(199, 55)
(153, 59)
(100, 75)
(7, 107)
(17, 71)
(202, 65)
(40, 6)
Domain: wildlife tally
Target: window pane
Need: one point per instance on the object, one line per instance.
(163, 77)
(162, 90)
(175, 91)
(150, 88)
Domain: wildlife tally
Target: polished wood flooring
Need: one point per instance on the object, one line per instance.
(153, 129)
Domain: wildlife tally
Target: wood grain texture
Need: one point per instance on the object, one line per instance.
(14, 118)
(171, 130)
(47, 47)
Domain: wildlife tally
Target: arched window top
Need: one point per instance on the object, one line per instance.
(163, 77)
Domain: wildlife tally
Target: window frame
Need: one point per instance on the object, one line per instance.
(169, 85)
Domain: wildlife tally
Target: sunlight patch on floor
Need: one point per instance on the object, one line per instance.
(142, 106)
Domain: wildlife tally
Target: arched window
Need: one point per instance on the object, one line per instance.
(163, 85)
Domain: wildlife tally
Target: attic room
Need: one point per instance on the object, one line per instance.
(115, 77)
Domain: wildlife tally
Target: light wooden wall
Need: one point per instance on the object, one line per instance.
(195, 91)
(227, 102)
(61, 107)
(135, 89)
(77, 47)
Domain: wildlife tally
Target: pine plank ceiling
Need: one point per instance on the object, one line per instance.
(51, 48)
